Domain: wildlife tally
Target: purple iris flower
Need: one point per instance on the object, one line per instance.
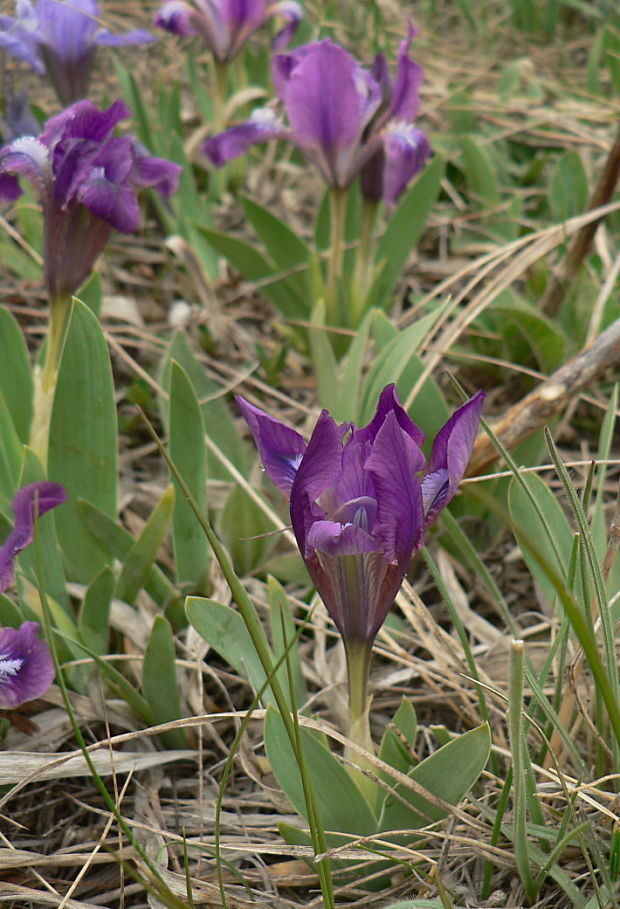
(39, 498)
(60, 38)
(358, 508)
(26, 666)
(226, 25)
(345, 119)
(88, 181)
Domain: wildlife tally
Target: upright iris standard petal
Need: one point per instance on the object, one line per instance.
(87, 180)
(347, 120)
(329, 100)
(406, 150)
(29, 503)
(358, 508)
(404, 96)
(26, 666)
(390, 403)
(393, 463)
(450, 456)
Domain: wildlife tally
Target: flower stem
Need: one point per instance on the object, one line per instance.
(364, 263)
(338, 212)
(358, 665)
(45, 378)
(220, 95)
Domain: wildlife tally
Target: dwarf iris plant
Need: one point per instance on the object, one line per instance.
(87, 181)
(59, 38)
(225, 26)
(360, 503)
(347, 121)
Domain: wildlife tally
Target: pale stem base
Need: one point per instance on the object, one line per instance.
(358, 665)
(45, 379)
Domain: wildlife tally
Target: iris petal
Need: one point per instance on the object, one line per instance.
(406, 150)
(399, 525)
(452, 449)
(261, 127)
(280, 447)
(337, 539)
(39, 498)
(26, 666)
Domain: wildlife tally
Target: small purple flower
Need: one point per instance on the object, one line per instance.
(26, 666)
(39, 497)
(226, 25)
(88, 181)
(60, 38)
(345, 119)
(358, 508)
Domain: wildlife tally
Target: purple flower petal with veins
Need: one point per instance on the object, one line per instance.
(37, 498)
(26, 666)
(358, 507)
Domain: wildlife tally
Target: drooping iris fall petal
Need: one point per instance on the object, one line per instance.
(26, 666)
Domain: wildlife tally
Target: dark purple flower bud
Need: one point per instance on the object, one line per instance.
(358, 507)
(26, 666)
(59, 38)
(345, 119)
(88, 181)
(29, 503)
(226, 25)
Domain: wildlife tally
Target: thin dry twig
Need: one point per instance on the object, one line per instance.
(536, 408)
